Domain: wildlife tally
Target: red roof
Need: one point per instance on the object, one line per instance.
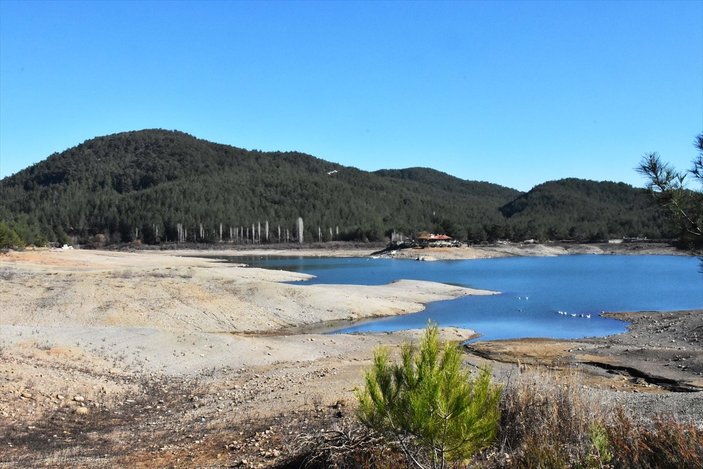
(436, 237)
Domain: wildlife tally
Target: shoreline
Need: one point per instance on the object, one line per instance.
(187, 354)
(660, 353)
(343, 249)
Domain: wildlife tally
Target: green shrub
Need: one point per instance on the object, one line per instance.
(436, 411)
(601, 452)
(9, 238)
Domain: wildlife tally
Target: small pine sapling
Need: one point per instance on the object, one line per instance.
(433, 408)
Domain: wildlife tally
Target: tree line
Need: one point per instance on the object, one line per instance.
(160, 186)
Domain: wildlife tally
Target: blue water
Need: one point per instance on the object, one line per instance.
(539, 296)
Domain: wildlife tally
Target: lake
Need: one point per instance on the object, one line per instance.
(558, 297)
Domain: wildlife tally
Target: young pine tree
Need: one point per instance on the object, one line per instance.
(435, 410)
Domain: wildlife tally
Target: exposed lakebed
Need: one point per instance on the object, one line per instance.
(556, 297)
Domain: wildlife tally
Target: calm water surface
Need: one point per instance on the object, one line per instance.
(539, 296)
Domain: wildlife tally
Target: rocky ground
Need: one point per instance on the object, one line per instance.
(657, 366)
(153, 359)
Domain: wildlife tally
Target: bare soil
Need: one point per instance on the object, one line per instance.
(654, 367)
(158, 359)
(531, 249)
(113, 359)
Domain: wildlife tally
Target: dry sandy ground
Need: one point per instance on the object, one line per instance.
(160, 353)
(155, 359)
(513, 249)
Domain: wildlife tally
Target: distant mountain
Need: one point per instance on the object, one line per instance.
(149, 184)
(581, 209)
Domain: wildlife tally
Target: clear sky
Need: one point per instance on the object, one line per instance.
(515, 93)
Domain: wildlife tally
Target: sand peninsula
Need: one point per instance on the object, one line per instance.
(161, 359)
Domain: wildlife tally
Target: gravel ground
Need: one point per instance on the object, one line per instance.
(111, 359)
(654, 367)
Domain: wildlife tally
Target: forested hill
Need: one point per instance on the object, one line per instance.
(146, 184)
(581, 209)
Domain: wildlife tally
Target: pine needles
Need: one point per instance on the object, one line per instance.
(432, 408)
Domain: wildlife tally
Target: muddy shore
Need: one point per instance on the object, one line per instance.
(654, 367)
(157, 359)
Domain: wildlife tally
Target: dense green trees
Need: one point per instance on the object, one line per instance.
(583, 211)
(9, 238)
(146, 184)
(23, 230)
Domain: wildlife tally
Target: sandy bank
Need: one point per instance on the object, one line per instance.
(167, 349)
(157, 359)
(457, 253)
(531, 250)
(167, 291)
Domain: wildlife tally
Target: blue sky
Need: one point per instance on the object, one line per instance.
(515, 93)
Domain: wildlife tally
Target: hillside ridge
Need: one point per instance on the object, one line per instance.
(158, 185)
